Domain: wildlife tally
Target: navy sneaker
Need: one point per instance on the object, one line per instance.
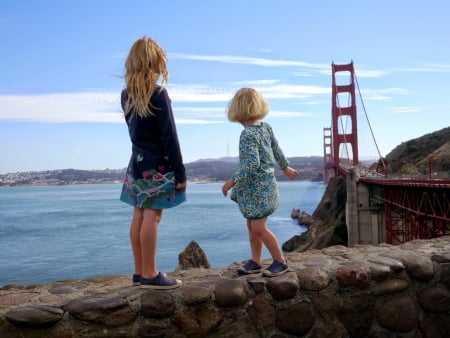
(250, 267)
(275, 269)
(160, 282)
(136, 280)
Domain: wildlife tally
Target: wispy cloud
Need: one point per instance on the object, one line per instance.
(263, 62)
(382, 94)
(426, 68)
(198, 103)
(62, 107)
(405, 110)
(193, 104)
(305, 69)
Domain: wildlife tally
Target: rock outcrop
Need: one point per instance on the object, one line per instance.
(364, 291)
(327, 224)
(193, 256)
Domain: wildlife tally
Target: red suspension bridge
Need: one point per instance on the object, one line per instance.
(379, 208)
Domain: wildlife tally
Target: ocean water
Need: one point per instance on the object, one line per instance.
(52, 233)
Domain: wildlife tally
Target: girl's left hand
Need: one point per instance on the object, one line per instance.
(227, 186)
(181, 186)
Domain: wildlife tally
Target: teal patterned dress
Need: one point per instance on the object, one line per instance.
(256, 191)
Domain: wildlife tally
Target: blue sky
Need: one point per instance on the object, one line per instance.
(61, 66)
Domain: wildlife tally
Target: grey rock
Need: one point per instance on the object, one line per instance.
(231, 292)
(398, 314)
(110, 311)
(390, 286)
(313, 278)
(35, 316)
(434, 299)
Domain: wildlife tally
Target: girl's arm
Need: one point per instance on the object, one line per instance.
(248, 156)
(170, 136)
(280, 158)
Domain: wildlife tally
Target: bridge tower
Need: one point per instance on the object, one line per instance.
(343, 109)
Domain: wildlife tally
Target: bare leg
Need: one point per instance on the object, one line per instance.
(135, 238)
(259, 228)
(149, 241)
(255, 243)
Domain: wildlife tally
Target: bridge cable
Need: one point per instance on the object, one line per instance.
(370, 126)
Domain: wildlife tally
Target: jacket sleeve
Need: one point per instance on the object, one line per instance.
(169, 134)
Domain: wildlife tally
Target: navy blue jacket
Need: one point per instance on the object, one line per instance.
(154, 138)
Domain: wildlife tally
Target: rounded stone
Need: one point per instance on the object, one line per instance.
(231, 293)
(398, 314)
(36, 316)
(390, 286)
(296, 319)
(434, 299)
(353, 276)
(196, 294)
(313, 278)
(326, 303)
(282, 288)
(157, 304)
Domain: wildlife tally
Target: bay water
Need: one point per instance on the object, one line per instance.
(51, 233)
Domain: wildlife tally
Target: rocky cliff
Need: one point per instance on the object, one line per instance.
(327, 225)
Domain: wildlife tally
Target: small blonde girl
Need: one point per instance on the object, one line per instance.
(253, 185)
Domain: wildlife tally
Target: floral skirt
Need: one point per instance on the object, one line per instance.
(257, 198)
(154, 191)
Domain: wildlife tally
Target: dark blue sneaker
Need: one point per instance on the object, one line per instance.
(160, 282)
(136, 280)
(275, 269)
(250, 267)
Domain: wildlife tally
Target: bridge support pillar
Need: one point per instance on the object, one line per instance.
(351, 212)
(364, 222)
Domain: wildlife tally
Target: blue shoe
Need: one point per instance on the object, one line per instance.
(250, 267)
(160, 282)
(275, 269)
(136, 280)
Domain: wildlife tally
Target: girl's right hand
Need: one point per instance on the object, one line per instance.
(290, 172)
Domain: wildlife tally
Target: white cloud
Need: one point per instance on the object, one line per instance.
(287, 114)
(248, 60)
(192, 104)
(404, 110)
(62, 107)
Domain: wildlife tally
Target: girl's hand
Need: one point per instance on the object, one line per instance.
(227, 186)
(290, 172)
(181, 186)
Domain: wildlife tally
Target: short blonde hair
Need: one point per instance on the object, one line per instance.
(247, 104)
(145, 64)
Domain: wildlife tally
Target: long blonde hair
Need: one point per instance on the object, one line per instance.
(145, 64)
(246, 105)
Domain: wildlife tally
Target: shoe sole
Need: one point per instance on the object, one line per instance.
(271, 274)
(161, 287)
(247, 272)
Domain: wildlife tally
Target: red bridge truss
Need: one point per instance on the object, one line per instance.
(412, 209)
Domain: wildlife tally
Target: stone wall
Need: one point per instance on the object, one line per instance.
(365, 291)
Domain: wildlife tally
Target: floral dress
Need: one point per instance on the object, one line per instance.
(256, 191)
(156, 164)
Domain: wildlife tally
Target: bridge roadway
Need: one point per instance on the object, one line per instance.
(395, 210)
